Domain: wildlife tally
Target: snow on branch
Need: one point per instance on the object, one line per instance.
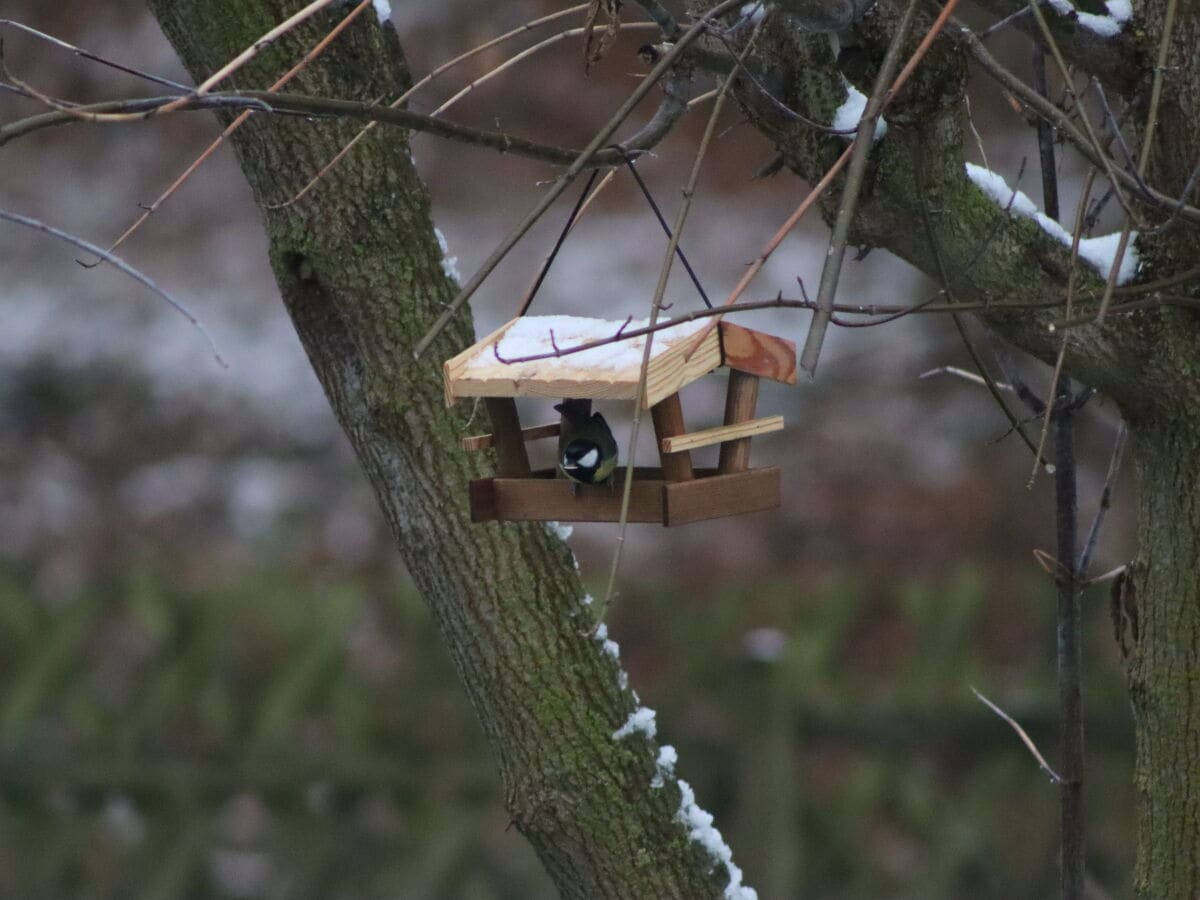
(1110, 25)
(1099, 252)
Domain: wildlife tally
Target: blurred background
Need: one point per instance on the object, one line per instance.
(215, 678)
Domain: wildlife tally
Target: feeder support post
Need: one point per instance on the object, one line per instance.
(740, 402)
(668, 422)
(512, 460)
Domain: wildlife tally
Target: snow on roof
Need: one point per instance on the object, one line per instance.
(489, 368)
(533, 335)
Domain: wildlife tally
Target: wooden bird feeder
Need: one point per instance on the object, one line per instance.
(674, 494)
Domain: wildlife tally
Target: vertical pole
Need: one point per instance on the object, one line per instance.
(668, 422)
(513, 461)
(740, 402)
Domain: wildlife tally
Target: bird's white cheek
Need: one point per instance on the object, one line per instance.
(589, 459)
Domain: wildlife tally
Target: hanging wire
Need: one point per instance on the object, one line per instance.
(637, 177)
(587, 188)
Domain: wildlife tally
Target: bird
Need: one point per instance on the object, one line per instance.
(587, 450)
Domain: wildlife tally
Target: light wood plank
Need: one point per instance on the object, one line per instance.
(486, 441)
(758, 353)
(694, 440)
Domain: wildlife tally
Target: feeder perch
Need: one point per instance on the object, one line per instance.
(673, 494)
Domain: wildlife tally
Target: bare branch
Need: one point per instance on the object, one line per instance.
(119, 264)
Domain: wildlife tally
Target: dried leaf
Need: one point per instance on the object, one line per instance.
(593, 49)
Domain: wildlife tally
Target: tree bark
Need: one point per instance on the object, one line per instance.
(360, 273)
(918, 204)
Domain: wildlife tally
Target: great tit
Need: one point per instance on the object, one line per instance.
(587, 450)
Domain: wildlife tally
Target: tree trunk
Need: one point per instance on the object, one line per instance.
(917, 203)
(360, 272)
(1159, 613)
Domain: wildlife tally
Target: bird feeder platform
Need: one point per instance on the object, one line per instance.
(497, 369)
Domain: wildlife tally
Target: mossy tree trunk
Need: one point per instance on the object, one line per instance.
(360, 273)
(918, 204)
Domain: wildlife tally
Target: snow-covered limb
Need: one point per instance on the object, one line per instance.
(1110, 25)
(848, 115)
(1099, 252)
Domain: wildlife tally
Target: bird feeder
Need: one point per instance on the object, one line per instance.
(676, 492)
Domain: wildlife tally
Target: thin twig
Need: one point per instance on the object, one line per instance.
(119, 264)
(1042, 107)
(418, 85)
(1025, 738)
(655, 308)
(856, 171)
(601, 138)
(233, 126)
(95, 57)
(1076, 235)
(1110, 480)
(1160, 68)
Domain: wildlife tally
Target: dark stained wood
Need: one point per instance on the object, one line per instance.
(547, 498)
(668, 422)
(486, 441)
(721, 495)
(741, 399)
(511, 459)
(758, 353)
(542, 497)
(481, 493)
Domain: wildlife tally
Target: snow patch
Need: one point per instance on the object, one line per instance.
(700, 828)
(383, 9)
(847, 116)
(588, 599)
(609, 646)
(753, 13)
(1119, 12)
(1099, 252)
(559, 530)
(664, 768)
(641, 719)
(449, 263)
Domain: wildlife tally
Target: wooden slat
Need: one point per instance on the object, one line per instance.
(668, 423)
(741, 398)
(546, 498)
(694, 440)
(453, 367)
(512, 460)
(721, 495)
(758, 353)
(486, 441)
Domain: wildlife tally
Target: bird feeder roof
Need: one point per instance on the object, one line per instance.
(680, 354)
